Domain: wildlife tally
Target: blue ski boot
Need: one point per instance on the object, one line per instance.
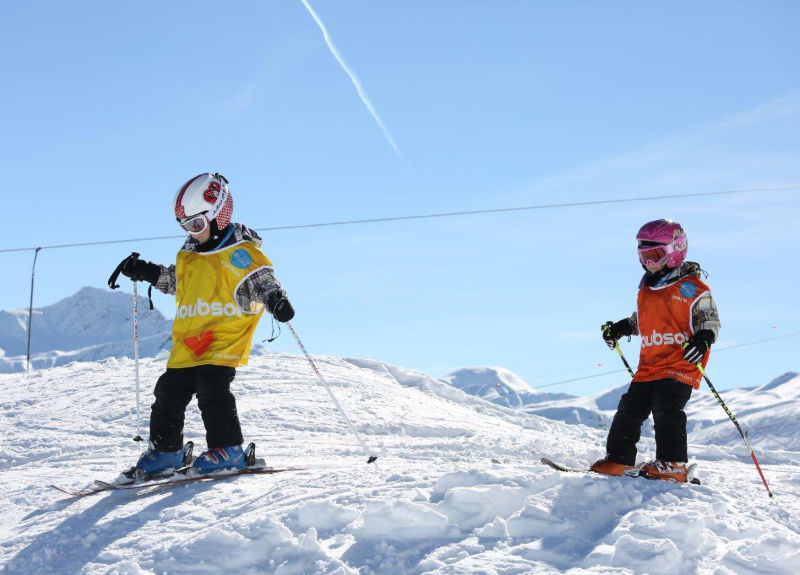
(155, 462)
(218, 458)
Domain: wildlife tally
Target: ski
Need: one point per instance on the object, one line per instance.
(174, 480)
(129, 481)
(80, 492)
(562, 467)
(183, 479)
(630, 473)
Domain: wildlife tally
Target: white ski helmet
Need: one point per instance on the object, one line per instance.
(205, 193)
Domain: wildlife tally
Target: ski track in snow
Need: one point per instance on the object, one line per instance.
(434, 502)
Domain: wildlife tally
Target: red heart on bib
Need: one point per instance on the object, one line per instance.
(199, 345)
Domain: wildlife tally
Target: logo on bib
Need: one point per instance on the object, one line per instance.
(688, 290)
(657, 338)
(202, 309)
(241, 259)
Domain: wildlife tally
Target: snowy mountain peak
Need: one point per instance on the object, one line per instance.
(785, 381)
(494, 376)
(498, 385)
(495, 384)
(88, 325)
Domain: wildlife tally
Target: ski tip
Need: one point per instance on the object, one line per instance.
(77, 492)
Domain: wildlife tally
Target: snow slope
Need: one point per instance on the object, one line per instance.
(435, 502)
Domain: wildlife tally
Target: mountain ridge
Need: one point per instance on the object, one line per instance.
(766, 410)
(89, 325)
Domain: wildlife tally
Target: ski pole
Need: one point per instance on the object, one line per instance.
(622, 357)
(370, 458)
(619, 351)
(702, 371)
(138, 436)
(112, 283)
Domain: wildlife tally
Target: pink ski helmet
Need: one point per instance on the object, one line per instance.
(662, 242)
(206, 194)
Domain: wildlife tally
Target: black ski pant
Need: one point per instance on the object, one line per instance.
(665, 398)
(173, 393)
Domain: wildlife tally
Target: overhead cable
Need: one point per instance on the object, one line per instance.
(440, 215)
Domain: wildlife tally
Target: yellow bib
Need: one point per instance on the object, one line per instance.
(209, 326)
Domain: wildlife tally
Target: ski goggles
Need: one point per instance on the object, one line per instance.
(654, 254)
(194, 224)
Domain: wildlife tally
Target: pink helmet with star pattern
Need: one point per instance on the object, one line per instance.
(662, 242)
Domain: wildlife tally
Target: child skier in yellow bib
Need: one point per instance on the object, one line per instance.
(222, 282)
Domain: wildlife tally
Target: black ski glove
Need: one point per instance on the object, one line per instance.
(698, 346)
(279, 306)
(140, 270)
(613, 331)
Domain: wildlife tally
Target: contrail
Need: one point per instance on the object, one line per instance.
(353, 78)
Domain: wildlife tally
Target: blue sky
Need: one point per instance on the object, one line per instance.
(109, 108)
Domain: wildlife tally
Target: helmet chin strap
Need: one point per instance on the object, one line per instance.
(215, 233)
(653, 278)
(216, 238)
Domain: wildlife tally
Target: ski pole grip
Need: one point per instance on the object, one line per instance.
(698, 365)
(112, 281)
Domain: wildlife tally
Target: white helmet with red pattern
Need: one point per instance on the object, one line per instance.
(205, 194)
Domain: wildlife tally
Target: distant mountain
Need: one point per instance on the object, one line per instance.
(499, 385)
(89, 325)
(768, 413)
(593, 410)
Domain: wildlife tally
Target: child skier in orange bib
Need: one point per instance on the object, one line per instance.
(222, 283)
(677, 320)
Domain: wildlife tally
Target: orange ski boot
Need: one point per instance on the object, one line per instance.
(667, 470)
(608, 467)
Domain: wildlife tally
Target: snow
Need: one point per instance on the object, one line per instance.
(434, 502)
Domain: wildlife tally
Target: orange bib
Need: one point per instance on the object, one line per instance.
(209, 326)
(665, 322)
